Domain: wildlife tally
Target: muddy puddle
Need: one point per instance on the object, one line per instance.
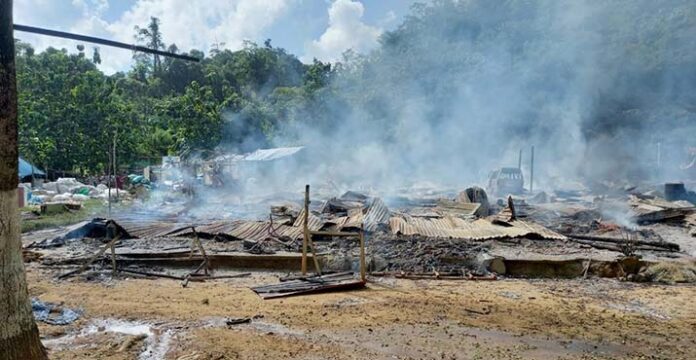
(156, 340)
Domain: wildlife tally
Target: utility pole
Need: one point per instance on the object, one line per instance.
(519, 160)
(19, 336)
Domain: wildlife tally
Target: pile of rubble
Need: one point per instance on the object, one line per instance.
(450, 234)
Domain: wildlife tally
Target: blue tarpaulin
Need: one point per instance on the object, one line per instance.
(52, 313)
(25, 169)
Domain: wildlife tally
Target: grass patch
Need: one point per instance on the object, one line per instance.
(90, 208)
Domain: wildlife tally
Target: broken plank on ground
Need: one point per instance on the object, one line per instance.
(310, 285)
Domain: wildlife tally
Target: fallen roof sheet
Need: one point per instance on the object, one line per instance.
(310, 285)
(149, 229)
(244, 230)
(376, 214)
(456, 208)
(453, 227)
(655, 210)
(314, 222)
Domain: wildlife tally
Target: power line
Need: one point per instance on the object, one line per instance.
(92, 39)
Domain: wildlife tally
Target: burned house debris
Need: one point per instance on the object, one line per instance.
(448, 235)
(364, 204)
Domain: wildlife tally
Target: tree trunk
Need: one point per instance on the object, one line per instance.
(19, 336)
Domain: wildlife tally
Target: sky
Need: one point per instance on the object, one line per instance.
(321, 29)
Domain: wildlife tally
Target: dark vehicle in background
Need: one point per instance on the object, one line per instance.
(506, 181)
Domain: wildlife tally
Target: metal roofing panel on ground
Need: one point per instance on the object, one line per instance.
(456, 208)
(149, 228)
(453, 227)
(377, 214)
(309, 285)
(374, 215)
(314, 222)
(245, 230)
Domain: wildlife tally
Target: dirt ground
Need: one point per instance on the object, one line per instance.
(128, 318)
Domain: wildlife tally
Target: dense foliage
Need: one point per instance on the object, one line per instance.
(71, 113)
(557, 72)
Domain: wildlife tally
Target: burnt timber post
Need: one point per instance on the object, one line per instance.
(305, 232)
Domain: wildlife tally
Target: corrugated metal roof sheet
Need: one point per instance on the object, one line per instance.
(315, 223)
(456, 208)
(377, 214)
(244, 230)
(454, 227)
(272, 154)
(372, 216)
(148, 229)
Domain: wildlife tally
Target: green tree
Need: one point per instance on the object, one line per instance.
(151, 36)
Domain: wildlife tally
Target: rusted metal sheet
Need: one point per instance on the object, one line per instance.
(454, 227)
(456, 208)
(245, 230)
(372, 217)
(149, 229)
(310, 285)
(376, 214)
(655, 210)
(315, 223)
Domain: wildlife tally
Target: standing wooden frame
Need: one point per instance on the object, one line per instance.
(307, 240)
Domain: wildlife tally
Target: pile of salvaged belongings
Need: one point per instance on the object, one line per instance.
(70, 190)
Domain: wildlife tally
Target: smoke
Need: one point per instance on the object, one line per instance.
(461, 86)
(464, 85)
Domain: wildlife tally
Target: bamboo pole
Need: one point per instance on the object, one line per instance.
(362, 254)
(113, 259)
(314, 255)
(92, 259)
(306, 231)
(200, 247)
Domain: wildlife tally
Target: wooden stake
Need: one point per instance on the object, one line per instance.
(113, 259)
(314, 255)
(197, 242)
(92, 259)
(589, 262)
(362, 254)
(305, 239)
